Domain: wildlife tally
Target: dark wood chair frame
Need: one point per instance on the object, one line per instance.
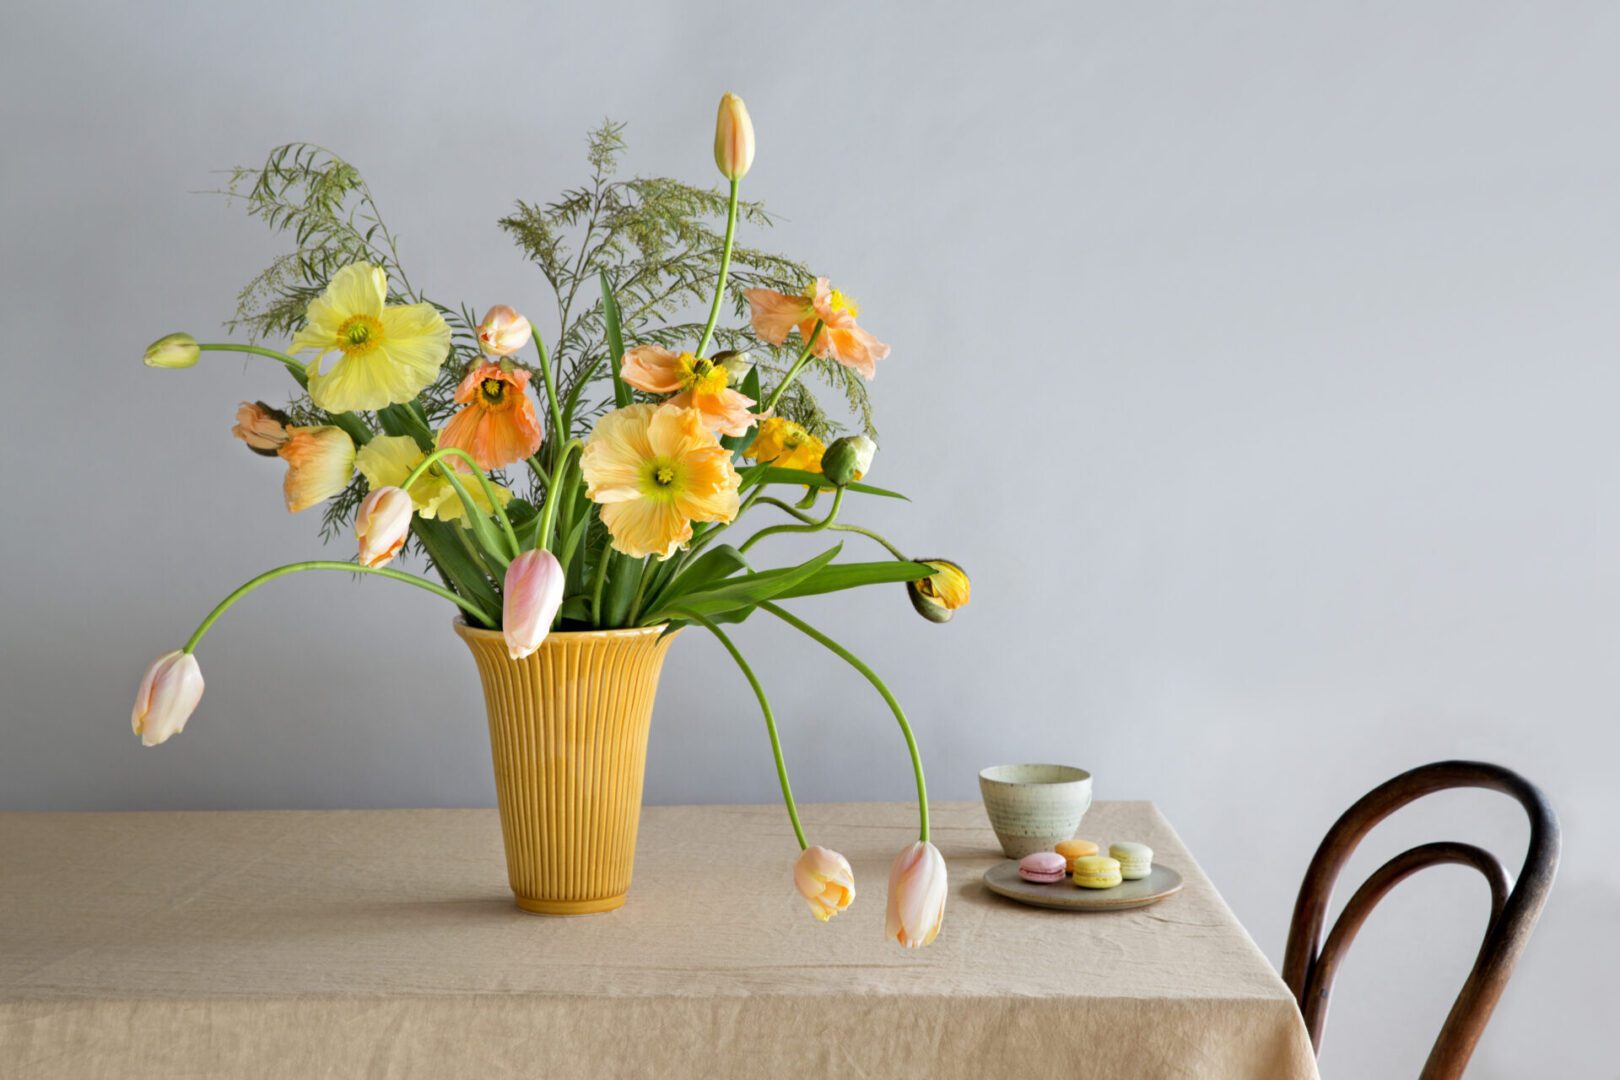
(1309, 965)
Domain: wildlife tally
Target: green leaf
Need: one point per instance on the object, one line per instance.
(853, 575)
(743, 593)
(708, 568)
(615, 342)
(775, 475)
(624, 578)
(460, 572)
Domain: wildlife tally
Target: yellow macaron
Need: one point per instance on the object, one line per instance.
(1096, 872)
(1075, 849)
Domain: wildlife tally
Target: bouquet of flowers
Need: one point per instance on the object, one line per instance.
(643, 446)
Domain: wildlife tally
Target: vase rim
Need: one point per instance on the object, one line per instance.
(462, 627)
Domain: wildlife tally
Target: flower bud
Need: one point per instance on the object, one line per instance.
(173, 351)
(733, 138)
(737, 365)
(824, 879)
(534, 592)
(917, 888)
(847, 459)
(263, 429)
(381, 525)
(503, 331)
(168, 695)
(937, 596)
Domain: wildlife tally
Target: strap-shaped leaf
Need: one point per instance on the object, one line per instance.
(743, 593)
(853, 575)
(775, 475)
(615, 342)
(712, 566)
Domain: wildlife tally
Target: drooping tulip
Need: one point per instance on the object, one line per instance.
(824, 879)
(733, 138)
(382, 524)
(503, 331)
(917, 888)
(937, 596)
(533, 593)
(169, 693)
(173, 351)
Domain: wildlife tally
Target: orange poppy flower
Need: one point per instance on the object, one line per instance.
(696, 384)
(775, 315)
(498, 425)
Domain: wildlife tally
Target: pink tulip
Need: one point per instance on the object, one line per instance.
(534, 592)
(503, 331)
(824, 879)
(917, 886)
(169, 693)
(381, 524)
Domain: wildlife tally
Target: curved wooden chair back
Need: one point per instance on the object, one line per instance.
(1309, 965)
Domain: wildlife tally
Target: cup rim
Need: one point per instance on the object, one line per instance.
(1075, 774)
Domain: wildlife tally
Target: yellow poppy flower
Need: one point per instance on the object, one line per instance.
(387, 460)
(655, 469)
(786, 445)
(390, 353)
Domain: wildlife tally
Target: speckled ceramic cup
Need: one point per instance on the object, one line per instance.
(1033, 807)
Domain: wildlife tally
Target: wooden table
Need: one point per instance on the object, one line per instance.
(385, 944)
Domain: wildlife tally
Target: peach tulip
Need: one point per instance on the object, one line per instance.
(824, 879)
(917, 887)
(503, 331)
(168, 695)
(534, 592)
(733, 138)
(381, 525)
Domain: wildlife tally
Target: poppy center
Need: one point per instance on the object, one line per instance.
(702, 376)
(359, 335)
(493, 391)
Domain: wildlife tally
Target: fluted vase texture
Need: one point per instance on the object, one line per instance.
(568, 730)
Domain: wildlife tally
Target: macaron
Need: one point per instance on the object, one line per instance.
(1135, 860)
(1074, 849)
(1096, 872)
(1044, 867)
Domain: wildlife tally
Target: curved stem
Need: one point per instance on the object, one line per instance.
(548, 513)
(557, 432)
(289, 362)
(868, 533)
(812, 526)
(641, 592)
(725, 267)
(871, 676)
(348, 567)
(770, 727)
(793, 372)
(472, 508)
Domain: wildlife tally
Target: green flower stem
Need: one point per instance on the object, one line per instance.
(793, 372)
(539, 471)
(558, 432)
(896, 552)
(351, 424)
(812, 526)
(472, 508)
(725, 268)
(548, 513)
(602, 560)
(770, 727)
(348, 567)
(871, 676)
(641, 592)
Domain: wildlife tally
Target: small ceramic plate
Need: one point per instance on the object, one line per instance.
(1065, 895)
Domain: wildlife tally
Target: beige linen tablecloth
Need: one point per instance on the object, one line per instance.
(385, 944)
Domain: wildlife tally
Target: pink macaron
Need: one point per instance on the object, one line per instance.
(1044, 867)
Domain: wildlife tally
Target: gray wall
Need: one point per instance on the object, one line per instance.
(1259, 363)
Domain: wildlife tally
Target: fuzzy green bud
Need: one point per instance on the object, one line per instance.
(848, 459)
(173, 351)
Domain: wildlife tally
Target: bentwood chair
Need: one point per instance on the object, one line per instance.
(1310, 964)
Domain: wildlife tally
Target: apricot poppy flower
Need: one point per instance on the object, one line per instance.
(320, 463)
(655, 469)
(696, 384)
(785, 444)
(775, 315)
(498, 425)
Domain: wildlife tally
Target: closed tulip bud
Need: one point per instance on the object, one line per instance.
(824, 879)
(168, 695)
(381, 525)
(173, 351)
(503, 331)
(534, 592)
(733, 138)
(737, 365)
(265, 430)
(917, 888)
(848, 459)
(937, 596)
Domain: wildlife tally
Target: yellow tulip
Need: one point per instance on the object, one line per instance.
(824, 879)
(173, 351)
(733, 138)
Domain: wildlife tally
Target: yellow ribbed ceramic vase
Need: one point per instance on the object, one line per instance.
(568, 729)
